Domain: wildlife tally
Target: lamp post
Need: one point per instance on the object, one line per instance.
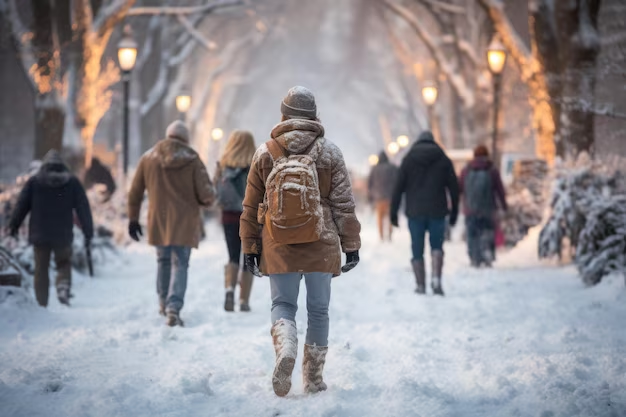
(393, 148)
(430, 94)
(126, 55)
(217, 134)
(183, 103)
(403, 141)
(496, 58)
(373, 159)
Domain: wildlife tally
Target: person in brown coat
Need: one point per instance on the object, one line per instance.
(178, 185)
(300, 135)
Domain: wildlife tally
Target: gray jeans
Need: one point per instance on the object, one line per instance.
(285, 289)
(172, 276)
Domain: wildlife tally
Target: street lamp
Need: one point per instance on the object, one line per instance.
(430, 94)
(217, 134)
(183, 103)
(393, 148)
(496, 58)
(373, 159)
(126, 55)
(403, 141)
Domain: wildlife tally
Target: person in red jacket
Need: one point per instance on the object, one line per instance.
(482, 192)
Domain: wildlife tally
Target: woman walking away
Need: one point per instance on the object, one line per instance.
(298, 215)
(230, 178)
(482, 190)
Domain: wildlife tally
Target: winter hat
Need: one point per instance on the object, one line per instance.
(425, 136)
(481, 150)
(299, 104)
(178, 130)
(53, 157)
(383, 158)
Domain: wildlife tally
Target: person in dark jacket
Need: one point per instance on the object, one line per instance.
(99, 174)
(428, 180)
(231, 178)
(380, 188)
(51, 197)
(481, 187)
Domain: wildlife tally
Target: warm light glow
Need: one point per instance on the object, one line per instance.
(429, 93)
(127, 57)
(183, 103)
(127, 50)
(217, 134)
(496, 57)
(393, 148)
(403, 141)
(373, 159)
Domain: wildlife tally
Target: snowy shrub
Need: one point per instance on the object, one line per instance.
(574, 194)
(601, 246)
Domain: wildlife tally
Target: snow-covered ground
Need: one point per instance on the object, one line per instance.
(523, 339)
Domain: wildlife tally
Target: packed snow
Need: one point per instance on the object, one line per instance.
(521, 339)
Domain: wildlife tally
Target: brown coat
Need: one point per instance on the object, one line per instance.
(341, 231)
(177, 184)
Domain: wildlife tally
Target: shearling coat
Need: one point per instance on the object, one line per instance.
(178, 185)
(341, 227)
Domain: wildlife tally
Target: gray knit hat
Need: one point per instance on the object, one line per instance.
(299, 103)
(178, 130)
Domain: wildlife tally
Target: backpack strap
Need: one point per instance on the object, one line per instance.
(275, 150)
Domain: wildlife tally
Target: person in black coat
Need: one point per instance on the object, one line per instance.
(428, 180)
(51, 197)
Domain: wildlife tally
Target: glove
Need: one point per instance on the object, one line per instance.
(134, 230)
(352, 259)
(252, 262)
(453, 217)
(394, 219)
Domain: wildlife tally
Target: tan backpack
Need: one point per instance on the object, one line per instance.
(293, 210)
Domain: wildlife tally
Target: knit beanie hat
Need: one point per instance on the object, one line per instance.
(299, 103)
(178, 130)
(426, 136)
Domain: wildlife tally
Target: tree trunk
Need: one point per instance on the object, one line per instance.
(50, 120)
(580, 46)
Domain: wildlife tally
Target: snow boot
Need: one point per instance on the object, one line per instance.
(285, 336)
(420, 275)
(230, 281)
(313, 367)
(173, 319)
(437, 260)
(244, 290)
(63, 294)
(162, 308)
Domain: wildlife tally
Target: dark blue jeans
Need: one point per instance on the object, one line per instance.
(481, 243)
(418, 226)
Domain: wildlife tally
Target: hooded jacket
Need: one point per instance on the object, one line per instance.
(427, 178)
(178, 185)
(497, 188)
(51, 197)
(341, 227)
(382, 179)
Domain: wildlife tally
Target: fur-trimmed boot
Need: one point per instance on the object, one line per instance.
(419, 270)
(285, 337)
(245, 287)
(231, 270)
(313, 368)
(437, 259)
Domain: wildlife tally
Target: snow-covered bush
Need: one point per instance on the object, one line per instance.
(601, 246)
(588, 210)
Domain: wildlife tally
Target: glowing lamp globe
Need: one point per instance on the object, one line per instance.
(496, 57)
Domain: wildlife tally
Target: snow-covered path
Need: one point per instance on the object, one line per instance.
(518, 340)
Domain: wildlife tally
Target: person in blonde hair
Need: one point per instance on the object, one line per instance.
(231, 178)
